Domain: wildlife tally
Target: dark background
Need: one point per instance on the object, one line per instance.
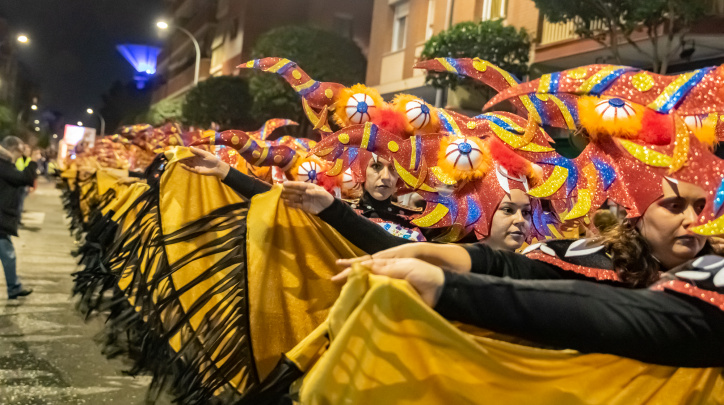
(72, 54)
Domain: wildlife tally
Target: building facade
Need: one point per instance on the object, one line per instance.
(228, 29)
(401, 28)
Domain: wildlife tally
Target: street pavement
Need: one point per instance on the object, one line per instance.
(48, 354)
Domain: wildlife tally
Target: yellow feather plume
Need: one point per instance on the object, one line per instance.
(599, 119)
(451, 169)
(340, 115)
(433, 123)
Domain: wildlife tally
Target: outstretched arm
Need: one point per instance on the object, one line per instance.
(650, 326)
(360, 231)
(590, 317)
(207, 164)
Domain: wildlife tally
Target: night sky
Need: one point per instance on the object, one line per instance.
(72, 52)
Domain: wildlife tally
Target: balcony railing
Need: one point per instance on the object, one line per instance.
(556, 32)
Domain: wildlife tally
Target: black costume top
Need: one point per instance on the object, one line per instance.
(556, 297)
(369, 224)
(12, 181)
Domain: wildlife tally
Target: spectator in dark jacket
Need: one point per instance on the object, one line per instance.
(12, 183)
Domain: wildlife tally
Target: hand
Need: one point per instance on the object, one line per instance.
(205, 163)
(448, 256)
(307, 197)
(425, 278)
(128, 180)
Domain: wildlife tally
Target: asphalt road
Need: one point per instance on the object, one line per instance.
(48, 354)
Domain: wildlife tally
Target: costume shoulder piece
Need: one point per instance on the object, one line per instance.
(582, 256)
(702, 279)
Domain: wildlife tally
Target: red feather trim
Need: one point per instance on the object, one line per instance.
(515, 164)
(390, 120)
(656, 128)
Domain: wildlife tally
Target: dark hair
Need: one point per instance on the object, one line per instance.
(604, 220)
(12, 143)
(632, 255)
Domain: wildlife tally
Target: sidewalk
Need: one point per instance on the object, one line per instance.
(47, 351)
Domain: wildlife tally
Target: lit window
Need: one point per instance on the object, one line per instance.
(494, 9)
(399, 27)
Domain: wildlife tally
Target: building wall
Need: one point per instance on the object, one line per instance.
(235, 25)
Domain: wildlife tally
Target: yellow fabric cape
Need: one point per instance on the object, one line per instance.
(211, 311)
(388, 347)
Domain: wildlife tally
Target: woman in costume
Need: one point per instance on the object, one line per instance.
(670, 215)
(378, 224)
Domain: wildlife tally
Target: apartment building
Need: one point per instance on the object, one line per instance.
(401, 28)
(228, 29)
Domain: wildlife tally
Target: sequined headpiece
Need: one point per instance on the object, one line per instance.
(643, 128)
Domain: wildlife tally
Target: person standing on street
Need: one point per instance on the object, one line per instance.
(13, 182)
(21, 163)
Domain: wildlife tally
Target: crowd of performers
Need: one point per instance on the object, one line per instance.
(237, 269)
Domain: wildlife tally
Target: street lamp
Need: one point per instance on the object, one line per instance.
(103, 122)
(80, 123)
(164, 26)
(23, 39)
(33, 107)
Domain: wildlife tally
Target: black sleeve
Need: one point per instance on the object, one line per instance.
(19, 178)
(486, 260)
(138, 175)
(245, 185)
(362, 232)
(651, 326)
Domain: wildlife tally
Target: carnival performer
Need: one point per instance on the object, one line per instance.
(375, 204)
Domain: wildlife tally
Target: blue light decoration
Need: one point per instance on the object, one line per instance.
(143, 59)
(719, 199)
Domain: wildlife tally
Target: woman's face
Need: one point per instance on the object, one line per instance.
(511, 222)
(381, 179)
(664, 224)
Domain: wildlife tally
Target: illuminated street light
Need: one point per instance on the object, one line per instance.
(55, 136)
(80, 123)
(37, 129)
(103, 122)
(37, 121)
(33, 107)
(164, 25)
(23, 39)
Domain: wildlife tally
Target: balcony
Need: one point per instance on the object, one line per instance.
(557, 32)
(560, 48)
(181, 82)
(551, 33)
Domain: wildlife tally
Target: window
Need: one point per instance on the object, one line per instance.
(399, 27)
(430, 30)
(343, 25)
(494, 9)
(234, 29)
